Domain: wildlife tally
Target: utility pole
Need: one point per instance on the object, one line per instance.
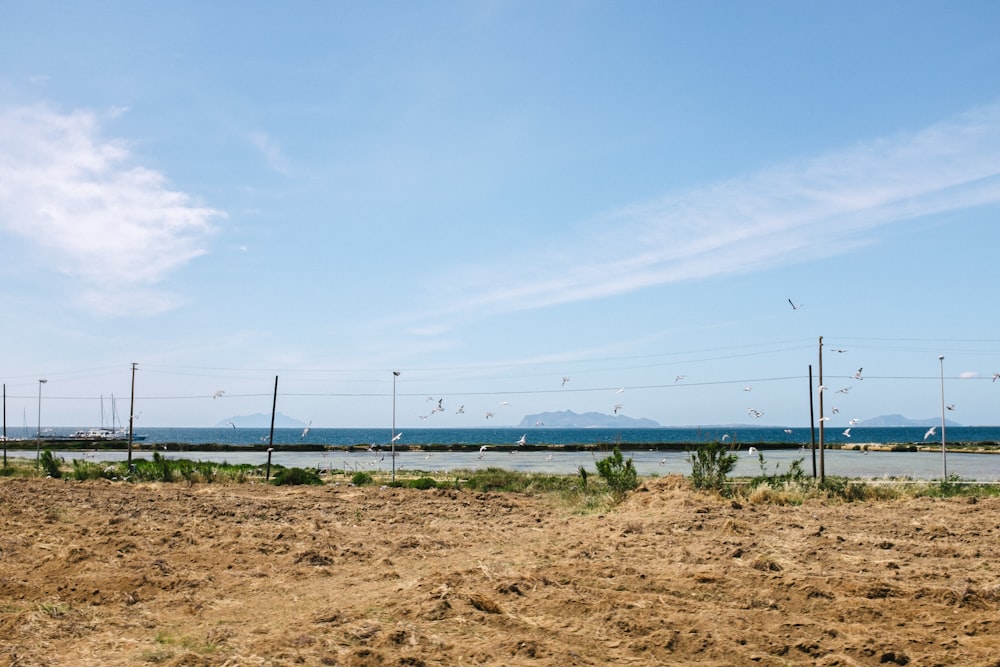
(944, 448)
(270, 445)
(392, 443)
(822, 445)
(131, 416)
(5, 425)
(812, 422)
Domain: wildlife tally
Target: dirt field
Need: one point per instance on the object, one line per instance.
(101, 573)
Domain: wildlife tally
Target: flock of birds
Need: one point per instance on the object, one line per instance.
(617, 408)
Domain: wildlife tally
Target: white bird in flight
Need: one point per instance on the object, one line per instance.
(489, 414)
(397, 436)
(857, 376)
(847, 432)
(794, 305)
(618, 407)
(523, 440)
(565, 380)
(930, 432)
(305, 431)
(679, 378)
(219, 394)
(461, 410)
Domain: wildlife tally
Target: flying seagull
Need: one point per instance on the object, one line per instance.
(523, 440)
(565, 380)
(618, 407)
(847, 432)
(930, 432)
(219, 394)
(857, 376)
(794, 305)
(397, 436)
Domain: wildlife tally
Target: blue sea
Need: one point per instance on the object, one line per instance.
(643, 445)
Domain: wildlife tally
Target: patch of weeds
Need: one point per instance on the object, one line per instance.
(361, 478)
(295, 477)
(794, 474)
(54, 609)
(83, 470)
(950, 486)
(618, 472)
(423, 483)
(711, 464)
(51, 464)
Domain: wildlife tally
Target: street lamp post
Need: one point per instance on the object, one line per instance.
(944, 450)
(38, 434)
(392, 443)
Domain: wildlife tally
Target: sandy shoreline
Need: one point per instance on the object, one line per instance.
(98, 573)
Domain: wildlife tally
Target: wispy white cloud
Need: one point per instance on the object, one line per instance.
(271, 151)
(81, 204)
(780, 215)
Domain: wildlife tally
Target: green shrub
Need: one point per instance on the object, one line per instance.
(295, 477)
(795, 473)
(83, 470)
(50, 464)
(618, 472)
(711, 464)
(423, 483)
(361, 478)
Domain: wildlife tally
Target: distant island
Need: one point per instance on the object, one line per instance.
(899, 420)
(570, 419)
(262, 420)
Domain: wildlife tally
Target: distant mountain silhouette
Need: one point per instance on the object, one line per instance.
(570, 419)
(900, 420)
(262, 420)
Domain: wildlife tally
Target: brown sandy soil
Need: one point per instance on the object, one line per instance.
(101, 573)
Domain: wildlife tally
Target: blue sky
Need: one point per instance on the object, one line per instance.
(490, 197)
